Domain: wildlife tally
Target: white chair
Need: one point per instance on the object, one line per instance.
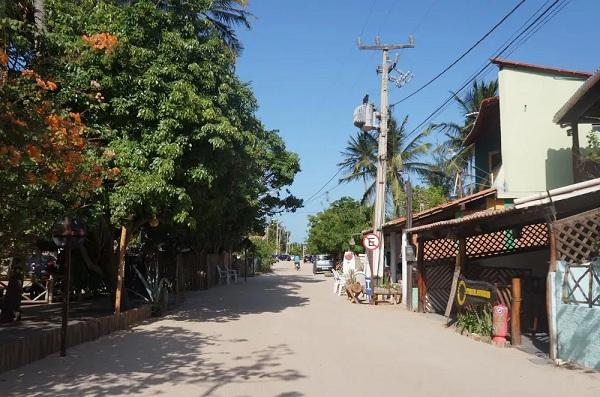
(339, 281)
(226, 274)
(223, 275)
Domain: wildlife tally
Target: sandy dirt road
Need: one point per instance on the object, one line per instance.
(286, 335)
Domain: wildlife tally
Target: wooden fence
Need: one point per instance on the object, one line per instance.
(39, 344)
(577, 244)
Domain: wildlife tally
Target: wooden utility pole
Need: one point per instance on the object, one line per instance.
(380, 187)
(120, 274)
(515, 318)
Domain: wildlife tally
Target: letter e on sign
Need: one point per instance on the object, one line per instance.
(371, 242)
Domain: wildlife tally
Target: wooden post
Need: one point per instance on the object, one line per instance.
(515, 317)
(458, 266)
(591, 286)
(246, 264)
(575, 152)
(178, 274)
(66, 293)
(120, 274)
(50, 285)
(421, 282)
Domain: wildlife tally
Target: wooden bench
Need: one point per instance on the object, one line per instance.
(393, 295)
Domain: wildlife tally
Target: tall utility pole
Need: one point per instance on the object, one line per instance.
(380, 187)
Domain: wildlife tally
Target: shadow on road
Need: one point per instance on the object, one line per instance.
(132, 363)
(151, 359)
(267, 294)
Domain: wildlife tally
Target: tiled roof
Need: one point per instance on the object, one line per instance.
(468, 218)
(445, 206)
(540, 68)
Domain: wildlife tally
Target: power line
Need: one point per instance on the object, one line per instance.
(343, 62)
(489, 63)
(324, 193)
(325, 185)
(464, 54)
(387, 16)
(368, 19)
(425, 15)
(542, 23)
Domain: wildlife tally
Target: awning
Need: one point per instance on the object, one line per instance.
(584, 105)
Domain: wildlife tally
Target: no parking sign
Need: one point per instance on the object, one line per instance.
(371, 241)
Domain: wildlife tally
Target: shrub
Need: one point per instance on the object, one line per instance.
(476, 319)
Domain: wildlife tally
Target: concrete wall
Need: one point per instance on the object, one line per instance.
(536, 153)
(578, 326)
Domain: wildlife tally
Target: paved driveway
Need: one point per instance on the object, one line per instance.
(287, 335)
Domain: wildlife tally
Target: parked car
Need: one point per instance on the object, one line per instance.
(308, 258)
(285, 257)
(322, 263)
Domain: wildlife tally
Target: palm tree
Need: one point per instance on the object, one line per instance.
(223, 16)
(404, 153)
(469, 105)
(456, 154)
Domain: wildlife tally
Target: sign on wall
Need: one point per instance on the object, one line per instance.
(471, 291)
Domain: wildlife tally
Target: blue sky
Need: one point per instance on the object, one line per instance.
(308, 75)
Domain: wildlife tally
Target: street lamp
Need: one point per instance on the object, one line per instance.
(66, 234)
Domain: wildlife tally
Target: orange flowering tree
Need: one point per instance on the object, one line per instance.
(47, 166)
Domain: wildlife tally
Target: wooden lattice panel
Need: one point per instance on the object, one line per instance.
(490, 244)
(576, 236)
(507, 241)
(439, 280)
(439, 249)
(533, 236)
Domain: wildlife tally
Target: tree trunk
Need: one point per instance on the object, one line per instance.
(11, 308)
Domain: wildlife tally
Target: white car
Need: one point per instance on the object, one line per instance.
(322, 263)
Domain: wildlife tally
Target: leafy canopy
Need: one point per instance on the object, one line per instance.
(331, 230)
(165, 102)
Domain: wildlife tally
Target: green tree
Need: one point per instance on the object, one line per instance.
(158, 94)
(442, 169)
(224, 15)
(426, 197)
(591, 155)
(178, 122)
(469, 105)
(405, 156)
(456, 155)
(331, 230)
(264, 250)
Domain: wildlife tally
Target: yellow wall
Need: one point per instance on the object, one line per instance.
(536, 153)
